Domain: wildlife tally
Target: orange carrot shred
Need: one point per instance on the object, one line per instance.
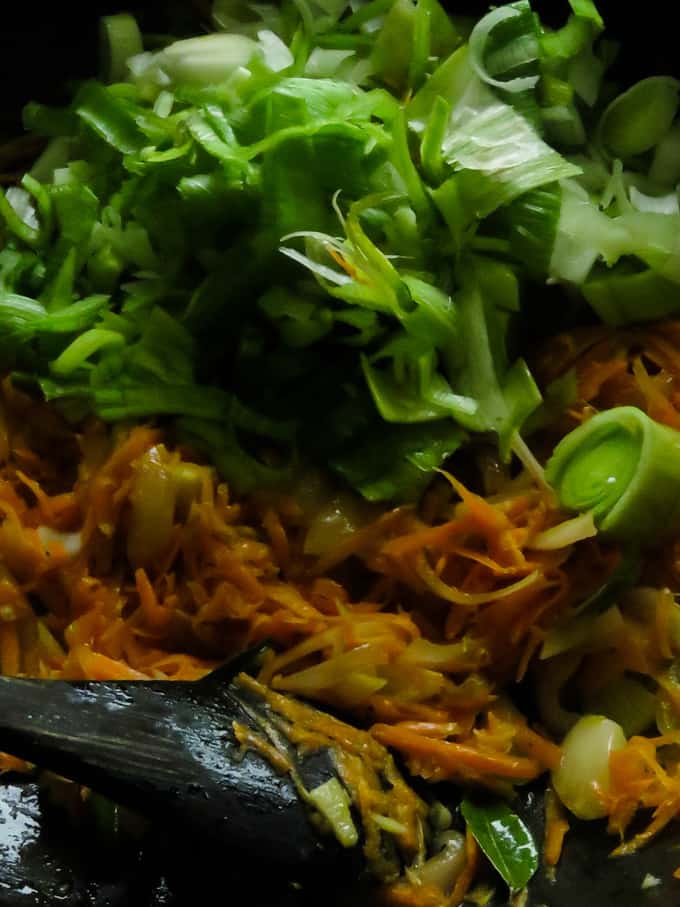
(556, 828)
(465, 879)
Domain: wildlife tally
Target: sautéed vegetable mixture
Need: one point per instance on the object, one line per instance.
(353, 329)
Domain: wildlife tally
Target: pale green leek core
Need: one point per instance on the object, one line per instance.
(333, 803)
(624, 468)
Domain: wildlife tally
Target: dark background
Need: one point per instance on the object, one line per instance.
(41, 47)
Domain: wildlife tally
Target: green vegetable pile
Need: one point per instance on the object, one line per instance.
(307, 236)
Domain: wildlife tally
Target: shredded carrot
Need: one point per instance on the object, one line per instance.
(277, 534)
(614, 368)
(10, 652)
(487, 517)
(657, 403)
(96, 666)
(638, 780)
(58, 511)
(425, 537)
(404, 894)
(448, 608)
(444, 759)
(537, 747)
(345, 265)
(250, 740)
(465, 879)
(155, 615)
(556, 828)
(235, 573)
(12, 764)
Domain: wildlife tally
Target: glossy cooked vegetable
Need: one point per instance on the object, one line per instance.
(307, 241)
(625, 469)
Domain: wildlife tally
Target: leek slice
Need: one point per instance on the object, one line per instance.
(621, 297)
(521, 50)
(586, 9)
(120, 39)
(584, 235)
(333, 802)
(639, 118)
(497, 152)
(665, 169)
(625, 469)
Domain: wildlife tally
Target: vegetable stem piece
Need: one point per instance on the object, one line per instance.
(120, 39)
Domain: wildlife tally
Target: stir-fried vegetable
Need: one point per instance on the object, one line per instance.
(625, 468)
(582, 778)
(305, 250)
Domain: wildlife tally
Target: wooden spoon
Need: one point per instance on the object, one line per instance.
(169, 749)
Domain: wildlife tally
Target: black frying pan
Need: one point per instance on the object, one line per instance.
(47, 860)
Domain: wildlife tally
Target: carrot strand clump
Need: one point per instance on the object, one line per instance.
(123, 558)
(145, 567)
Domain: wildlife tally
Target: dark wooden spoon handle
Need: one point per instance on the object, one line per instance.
(164, 749)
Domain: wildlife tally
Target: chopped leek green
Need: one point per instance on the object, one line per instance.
(389, 463)
(665, 168)
(521, 50)
(18, 221)
(121, 39)
(327, 213)
(624, 297)
(573, 634)
(639, 119)
(333, 803)
(586, 9)
(626, 701)
(625, 469)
